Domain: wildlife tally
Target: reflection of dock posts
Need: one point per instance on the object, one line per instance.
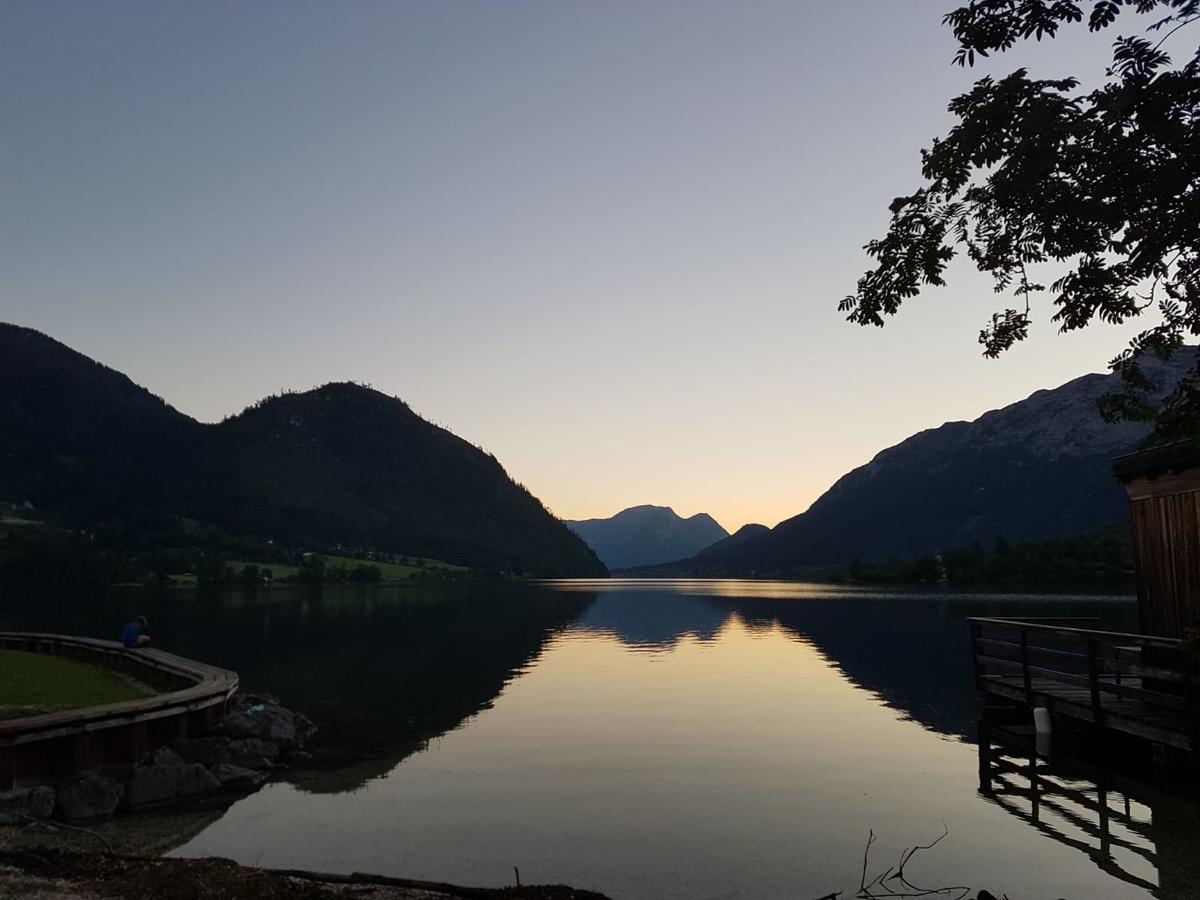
(1105, 837)
(984, 731)
(1079, 816)
(1034, 795)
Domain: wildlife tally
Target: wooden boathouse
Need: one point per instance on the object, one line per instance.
(1164, 507)
(1142, 684)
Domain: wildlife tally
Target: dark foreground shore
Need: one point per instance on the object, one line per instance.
(92, 838)
(48, 873)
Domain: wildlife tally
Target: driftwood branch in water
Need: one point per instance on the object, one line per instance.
(862, 882)
(893, 884)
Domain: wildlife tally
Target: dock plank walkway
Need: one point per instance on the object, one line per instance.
(1136, 684)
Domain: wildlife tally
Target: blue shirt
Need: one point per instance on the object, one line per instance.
(130, 635)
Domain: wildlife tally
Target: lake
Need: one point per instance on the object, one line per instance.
(648, 739)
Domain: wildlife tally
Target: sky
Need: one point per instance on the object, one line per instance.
(603, 240)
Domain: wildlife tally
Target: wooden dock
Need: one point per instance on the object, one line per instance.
(1132, 683)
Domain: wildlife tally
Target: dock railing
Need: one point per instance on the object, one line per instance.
(1134, 683)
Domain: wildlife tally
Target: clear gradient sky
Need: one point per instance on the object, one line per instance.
(603, 240)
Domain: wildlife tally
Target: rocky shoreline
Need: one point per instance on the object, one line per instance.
(53, 874)
(256, 738)
(46, 853)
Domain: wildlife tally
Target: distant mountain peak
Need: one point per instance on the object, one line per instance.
(646, 534)
(349, 394)
(646, 509)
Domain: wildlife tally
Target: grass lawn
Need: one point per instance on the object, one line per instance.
(35, 679)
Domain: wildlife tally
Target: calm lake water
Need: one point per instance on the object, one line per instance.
(691, 739)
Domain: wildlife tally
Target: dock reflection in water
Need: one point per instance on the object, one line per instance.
(1142, 835)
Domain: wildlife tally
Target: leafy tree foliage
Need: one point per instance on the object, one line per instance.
(1105, 182)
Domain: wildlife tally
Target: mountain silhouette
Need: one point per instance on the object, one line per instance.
(339, 465)
(644, 535)
(1034, 470)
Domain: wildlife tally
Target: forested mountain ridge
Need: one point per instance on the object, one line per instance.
(743, 534)
(645, 535)
(76, 435)
(347, 463)
(1033, 470)
(340, 465)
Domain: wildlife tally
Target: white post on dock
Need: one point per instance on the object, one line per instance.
(1042, 729)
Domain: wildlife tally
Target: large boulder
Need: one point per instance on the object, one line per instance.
(163, 756)
(152, 785)
(19, 806)
(237, 778)
(88, 797)
(262, 716)
(253, 753)
(194, 779)
(157, 784)
(305, 728)
(211, 751)
(268, 723)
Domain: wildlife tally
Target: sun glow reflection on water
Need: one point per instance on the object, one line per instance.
(683, 740)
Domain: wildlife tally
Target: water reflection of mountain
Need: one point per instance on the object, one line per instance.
(653, 619)
(382, 670)
(909, 649)
(387, 677)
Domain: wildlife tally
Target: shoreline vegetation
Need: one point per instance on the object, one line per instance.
(36, 549)
(320, 568)
(1096, 559)
(43, 552)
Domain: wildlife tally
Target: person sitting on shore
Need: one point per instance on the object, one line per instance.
(134, 634)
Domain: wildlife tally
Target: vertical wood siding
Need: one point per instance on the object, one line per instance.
(1166, 539)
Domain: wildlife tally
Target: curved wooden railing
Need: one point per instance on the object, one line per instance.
(190, 695)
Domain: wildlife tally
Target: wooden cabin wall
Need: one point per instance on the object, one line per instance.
(1166, 539)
